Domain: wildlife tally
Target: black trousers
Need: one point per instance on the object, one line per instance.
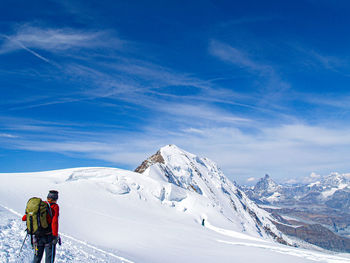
(44, 243)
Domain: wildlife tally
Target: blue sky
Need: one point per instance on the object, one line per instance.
(259, 87)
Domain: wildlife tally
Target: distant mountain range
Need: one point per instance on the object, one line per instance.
(332, 191)
(317, 212)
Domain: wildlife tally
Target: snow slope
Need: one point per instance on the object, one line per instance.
(220, 199)
(114, 215)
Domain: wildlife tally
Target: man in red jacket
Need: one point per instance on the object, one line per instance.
(48, 241)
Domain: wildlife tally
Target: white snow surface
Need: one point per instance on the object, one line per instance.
(274, 197)
(115, 215)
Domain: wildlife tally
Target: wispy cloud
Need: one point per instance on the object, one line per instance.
(158, 74)
(235, 56)
(67, 146)
(316, 59)
(151, 85)
(201, 114)
(149, 93)
(42, 104)
(284, 151)
(327, 101)
(272, 87)
(251, 179)
(310, 135)
(250, 20)
(105, 75)
(329, 62)
(7, 135)
(34, 39)
(52, 39)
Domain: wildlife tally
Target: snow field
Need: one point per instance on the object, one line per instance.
(114, 215)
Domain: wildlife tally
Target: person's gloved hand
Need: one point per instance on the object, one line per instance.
(59, 240)
(55, 240)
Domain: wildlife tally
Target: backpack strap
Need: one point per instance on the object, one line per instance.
(38, 216)
(31, 231)
(48, 208)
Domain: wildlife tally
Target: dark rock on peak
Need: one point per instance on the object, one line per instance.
(155, 158)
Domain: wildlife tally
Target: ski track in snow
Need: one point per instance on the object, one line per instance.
(263, 244)
(12, 235)
(293, 252)
(231, 233)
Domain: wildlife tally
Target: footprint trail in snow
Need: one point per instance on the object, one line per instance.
(72, 250)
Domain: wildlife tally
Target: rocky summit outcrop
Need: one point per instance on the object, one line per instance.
(155, 158)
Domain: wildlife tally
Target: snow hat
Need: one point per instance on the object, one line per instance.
(53, 195)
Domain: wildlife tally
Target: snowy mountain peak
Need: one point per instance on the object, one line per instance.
(175, 156)
(165, 155)
(171, 148)
(174, 165)
(266, 185)
(335, 179)
(203, 177)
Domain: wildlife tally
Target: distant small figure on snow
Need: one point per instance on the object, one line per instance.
(203, 222)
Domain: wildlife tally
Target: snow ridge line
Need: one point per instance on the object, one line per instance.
(77, 240)
(11, 210)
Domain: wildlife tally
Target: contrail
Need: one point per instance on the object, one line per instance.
(33, 52)
(27, 49)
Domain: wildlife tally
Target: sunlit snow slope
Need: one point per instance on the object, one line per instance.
(114, 215)
(218, 199)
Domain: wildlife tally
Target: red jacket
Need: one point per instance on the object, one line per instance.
(55, 209)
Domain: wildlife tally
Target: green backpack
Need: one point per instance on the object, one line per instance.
(37, 211)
